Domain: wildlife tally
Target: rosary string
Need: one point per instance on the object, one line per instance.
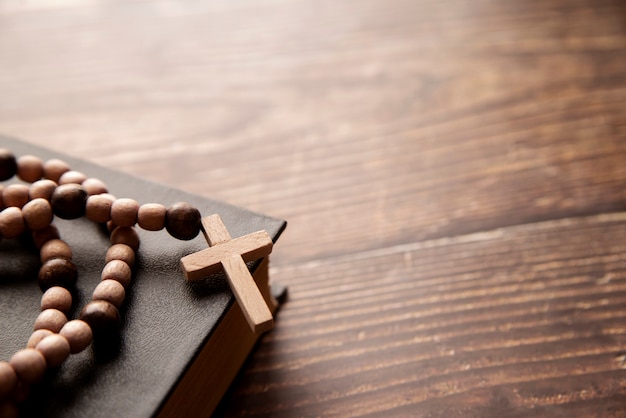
(57, 191)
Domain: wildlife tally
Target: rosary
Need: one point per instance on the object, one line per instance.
(56, 190)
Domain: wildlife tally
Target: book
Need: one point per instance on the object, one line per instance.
(181, 343)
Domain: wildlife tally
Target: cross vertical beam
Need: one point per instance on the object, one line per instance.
(231, 255)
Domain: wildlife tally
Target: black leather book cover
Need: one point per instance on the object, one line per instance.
(166, 321)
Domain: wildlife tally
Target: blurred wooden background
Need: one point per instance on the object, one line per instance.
(453, 173)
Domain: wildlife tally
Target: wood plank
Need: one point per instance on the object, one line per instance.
(396, 137)
(488, 324)
(409, 120)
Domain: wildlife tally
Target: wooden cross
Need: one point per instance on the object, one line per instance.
(231, 255)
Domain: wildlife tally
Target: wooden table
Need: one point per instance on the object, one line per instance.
(453, 174)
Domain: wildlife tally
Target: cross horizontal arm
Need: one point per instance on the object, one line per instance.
(206, 262)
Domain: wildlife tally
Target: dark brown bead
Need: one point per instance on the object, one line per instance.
(8, 164)
(102, 316)
(57, 272)
(68, 201)
(182, 221)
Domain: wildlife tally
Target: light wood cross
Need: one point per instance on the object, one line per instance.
(231, 255)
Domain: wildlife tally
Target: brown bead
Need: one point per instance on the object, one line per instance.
(94, 186)
(15, 195)
(117, 270)
(111, 226)
(124, 212)
(55, 349)
(29, 168)
(1, 200)
(55, 248)
(42, 188)
(68, 201)
(52, 319)
(98, 208)
(57, 272)
(182, 221)
(110, 290)
(53, 169)
(8, 164)
(72, 177)
(44, 235)
(78, 333)
(102, 316)
(36, 336)
(57, 297)
(37, 214)
(11, 223)
(121, 252)
(125, 235)
(8, 379)
(151, 216)
(29, 365)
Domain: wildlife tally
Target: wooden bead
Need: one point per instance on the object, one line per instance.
(36, 336)
(8, 379)
(111, 226)
(111, 291)
(1, 200)
(78, 333)
(68, 201)
(57, 272)
(42, 189)
(124, 212)
(29, 168)
(44, 235)
(57, 297)
(98, 208)
(125, 235)
(29, 365)
(182, 221)
(37, 214)
(72, 177)
(53, 169)
(102, 316)
(55, 349)
(117, 270)
(15, 195)
(55, 248)
(52, 319)
(94, 186)
(11, 223)
(121, 252)
(151, 216)
(8, 164)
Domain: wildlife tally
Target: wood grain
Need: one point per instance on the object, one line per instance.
(514, 321)
(452, 173)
